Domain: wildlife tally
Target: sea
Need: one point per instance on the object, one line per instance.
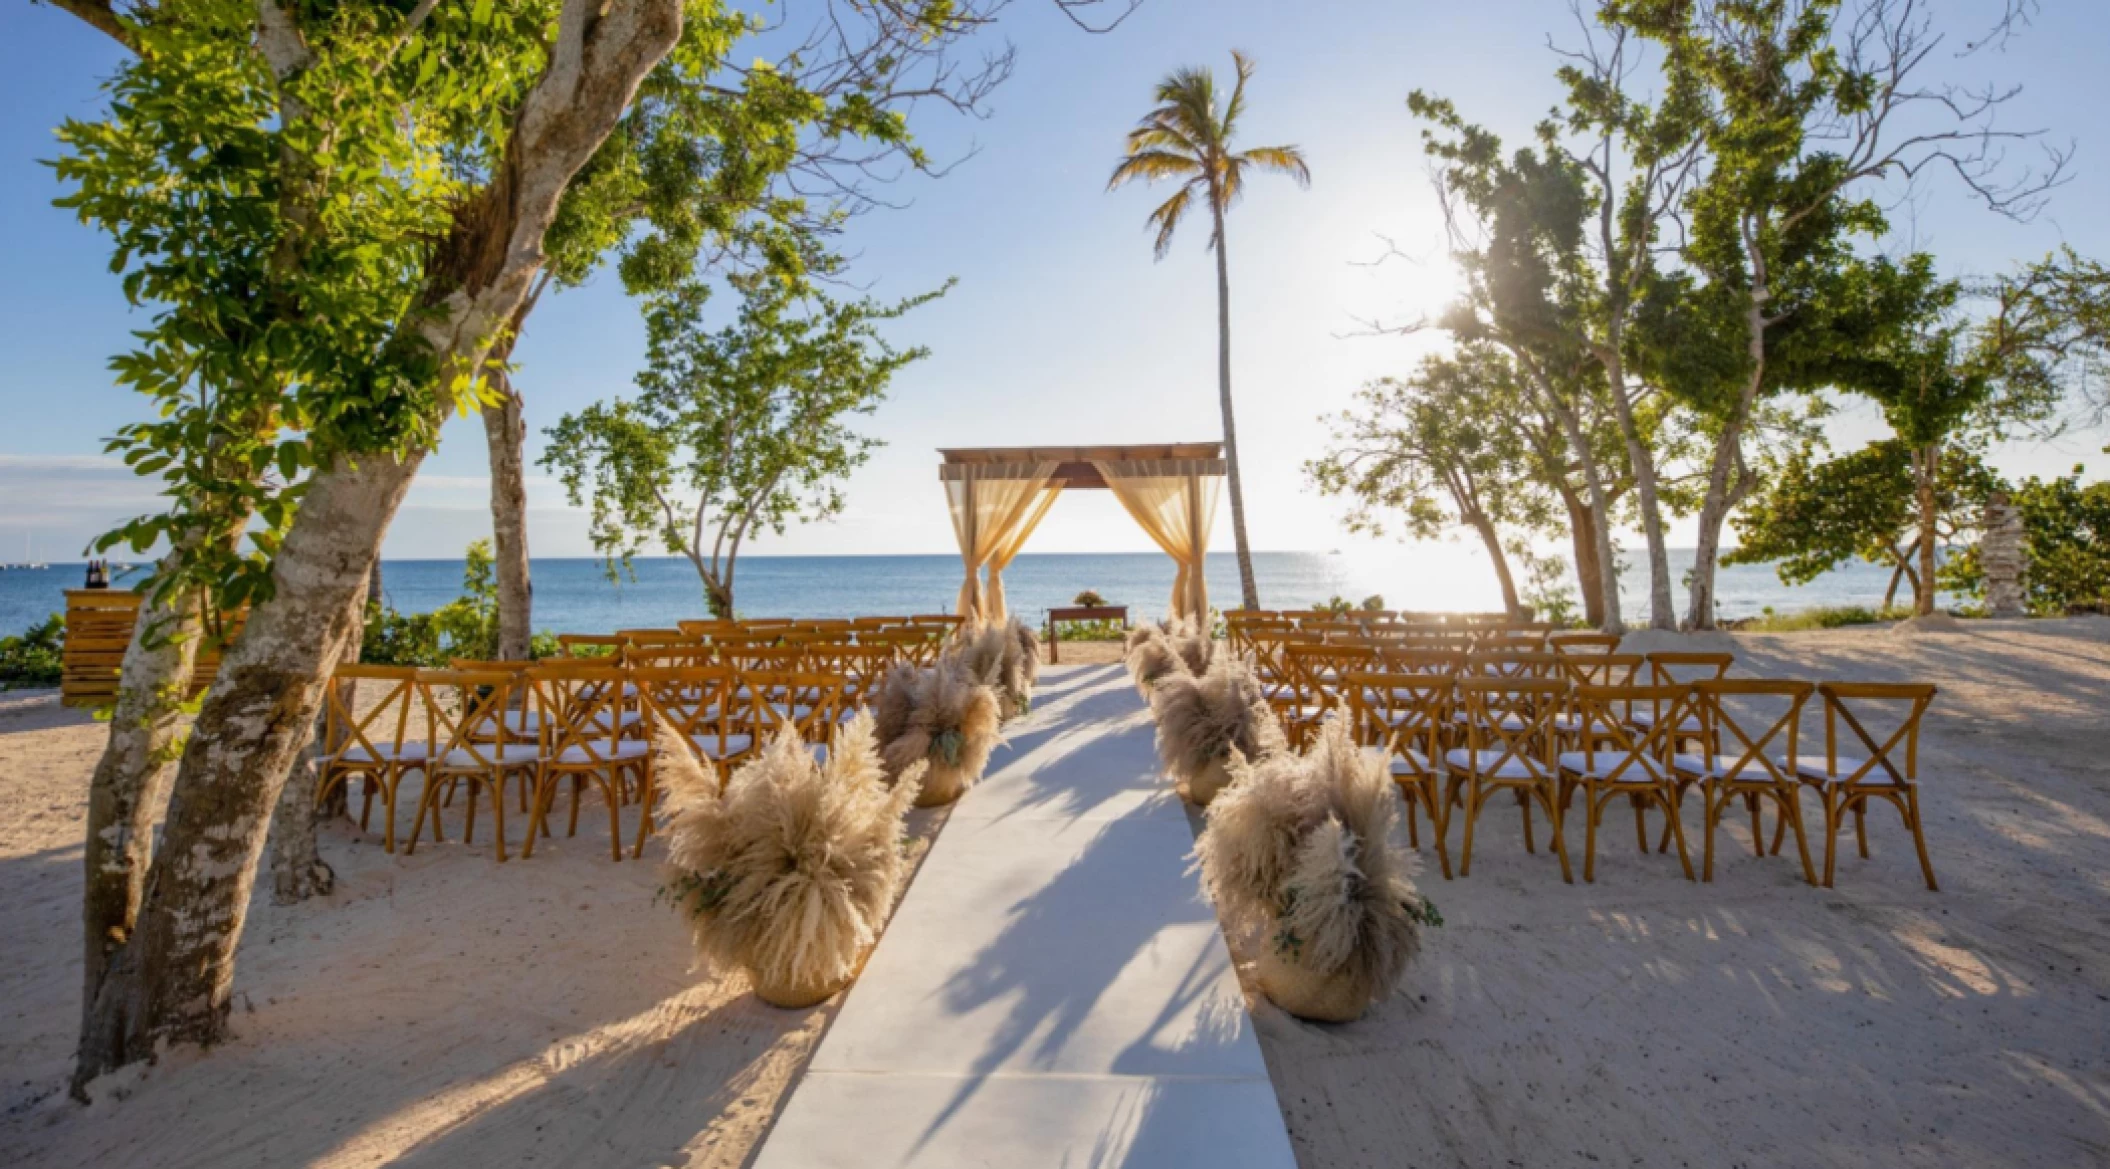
(578, 596)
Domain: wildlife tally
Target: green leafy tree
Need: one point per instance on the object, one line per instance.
(1189, 138)
(35, 657)
(2067, 526)
(734, 432)
(1808, 103)
(1433, 451)
(1810, 516)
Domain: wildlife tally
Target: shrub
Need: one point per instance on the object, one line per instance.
(1821, 617)
(1089, 599)
(2067, 526)
(34, 658)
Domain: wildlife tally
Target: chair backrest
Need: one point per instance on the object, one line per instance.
(490, 665)
(767, 622)
(1501, 663)
(1421, 659)
(465, 717)
(588, 645)
(1667, 668)
(807, 702)
(861, 667)
(938, 620)
(670, 657)
(1859, 703)
(1317, 671)
(381, 729)
(708, 628)
(1605, 722)
(650, 637)
(1399, 710)
(1752, 757)
(581, 706)
(1603, 669)
(695, 702)
(1512, 717)
(1584, 643)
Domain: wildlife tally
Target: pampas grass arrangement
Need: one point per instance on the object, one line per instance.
(939, 717)
(791, 872)
(1005, 658)
(1150, 658)
(1191, 641)
(1298, 850)
(1203, 718)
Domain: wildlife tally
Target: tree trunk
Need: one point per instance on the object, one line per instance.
(505, 433)
(1600, 504)
(1727, 484)
(1926, 465)
(1582, 534)
(1249, 593)
(128, 789)
(1662, 608)
(1503, 577)
(171, 982)
(298, 871)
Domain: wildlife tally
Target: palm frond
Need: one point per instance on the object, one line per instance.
(1244, 66)
(1166, 219)
(1150, 166)
(1286, 160)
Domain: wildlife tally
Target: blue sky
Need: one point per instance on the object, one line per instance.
(1062, 328)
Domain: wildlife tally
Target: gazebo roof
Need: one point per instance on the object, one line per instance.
(1076, 469)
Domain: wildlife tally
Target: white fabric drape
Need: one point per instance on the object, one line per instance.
(994, 506)
(1174, 500)
(993, 606)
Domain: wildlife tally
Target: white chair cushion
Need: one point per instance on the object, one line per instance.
(411, 752)
(1644, 718)
(624, 752)
(627, 718)
(1484, 762)
(510, 755)
(731, 745)
(1718, 767)
(1412, 762)
(1812, 769)
(1600, 764)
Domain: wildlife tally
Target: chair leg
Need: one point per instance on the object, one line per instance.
(469, 824)
(1560, 844)
(1791, 805)
(498, 813)
(1590, 810)
(1709, 815)
(1472, 816)
(1861, 826)
(1524, 805)
(1439, 825)
(1834, 812)
(578, 786)
(615, 815)
(366, 804)
(1919, 837)
(1677, 828)
(545, 791)
(645, 797)
(1758, 826)
(1641, 823)
(1413, 823)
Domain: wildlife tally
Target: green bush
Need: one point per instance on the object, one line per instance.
(466, 627)
(1089, 599)
(2067, 526)
(33, 659)
(1091, 630)
(1822, 617)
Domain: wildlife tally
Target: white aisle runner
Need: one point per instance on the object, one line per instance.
(1053, 991)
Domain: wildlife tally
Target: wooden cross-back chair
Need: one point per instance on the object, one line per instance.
(1405, 714)
(1508, 747)
(1594, 669)
(708, 627)
(587, 742)
(861, 667)
(1614, 758)
(589, 645)
(465, 721)
(808, 703)
(374, 746)
(1417, 659)
(646, 638)
(1583, 643)
(1667, 668)
(1750, 758)
(1873, 767)
(1315, 675)
(694, 705)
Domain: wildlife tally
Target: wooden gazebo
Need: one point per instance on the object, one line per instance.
(999, 494)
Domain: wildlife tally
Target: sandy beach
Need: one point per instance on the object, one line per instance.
(441, 1009)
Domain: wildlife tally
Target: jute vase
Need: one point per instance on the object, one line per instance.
(1320, 998)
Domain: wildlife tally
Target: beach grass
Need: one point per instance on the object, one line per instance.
(1821, 617)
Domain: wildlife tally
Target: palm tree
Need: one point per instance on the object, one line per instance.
(1187, 137)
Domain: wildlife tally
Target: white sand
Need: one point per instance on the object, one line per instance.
(439, 1009)
(436, 1009)
(1757, 1021)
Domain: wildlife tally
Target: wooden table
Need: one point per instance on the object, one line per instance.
(1082, 613)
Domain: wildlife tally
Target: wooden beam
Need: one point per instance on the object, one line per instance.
(1081, 454)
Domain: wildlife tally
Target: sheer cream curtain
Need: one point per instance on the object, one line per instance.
(993, 606)
(1174, 500)
(994, 507)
